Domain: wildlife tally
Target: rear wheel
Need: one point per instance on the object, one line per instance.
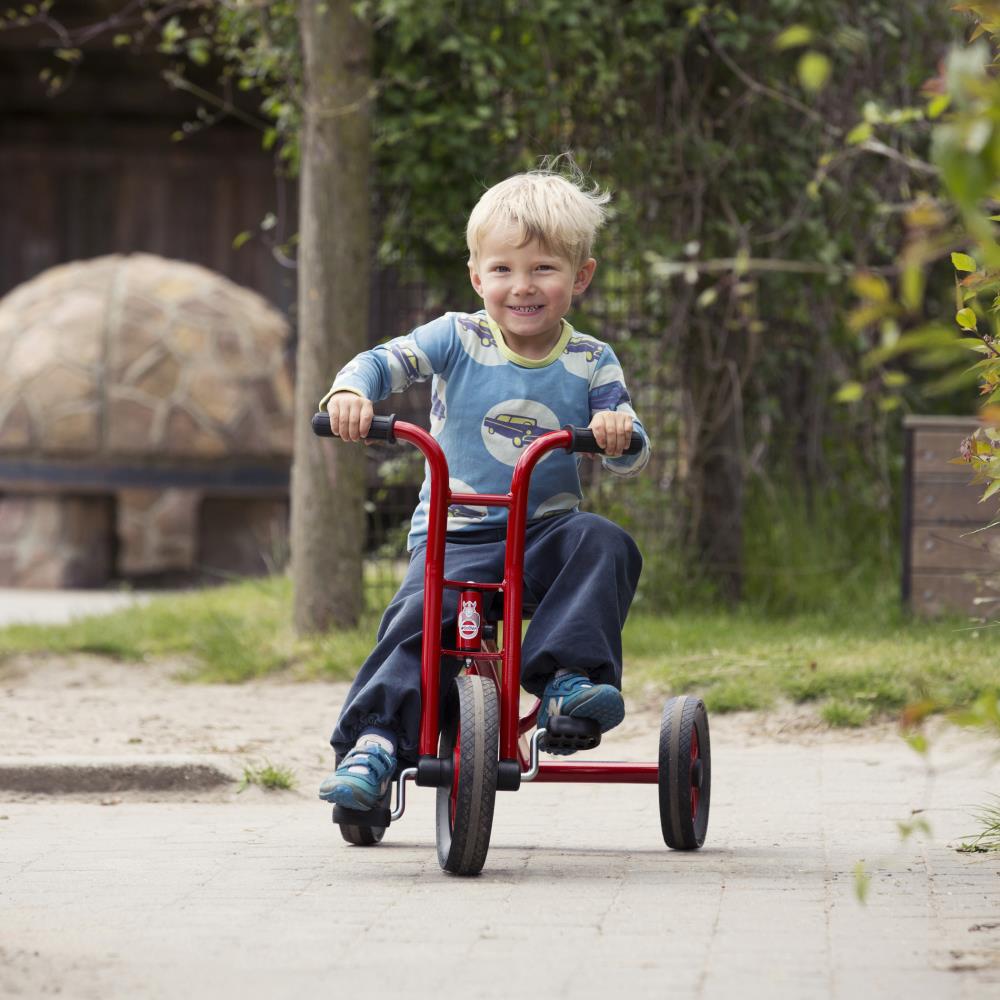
(470, 737)
(685, 773)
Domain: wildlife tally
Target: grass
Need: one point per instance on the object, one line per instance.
(854, 665)
(225, 634)
(267, 776)
(988, 838)
(854, 668)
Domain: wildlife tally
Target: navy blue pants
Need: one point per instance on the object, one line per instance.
(581, 571)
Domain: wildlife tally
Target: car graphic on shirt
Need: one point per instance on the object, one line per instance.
(407, 359)
(481, 329)
(584, 345)
(520, 430)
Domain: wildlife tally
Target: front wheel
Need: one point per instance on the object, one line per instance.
(470, 737)
(685, 773)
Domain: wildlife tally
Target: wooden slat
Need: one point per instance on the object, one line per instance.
(934, 450)
(956, 502)
(946, 547)
(934, 594)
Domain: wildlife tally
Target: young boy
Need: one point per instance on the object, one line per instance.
(502, 377)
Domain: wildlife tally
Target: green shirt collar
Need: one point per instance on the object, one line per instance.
(517, 359)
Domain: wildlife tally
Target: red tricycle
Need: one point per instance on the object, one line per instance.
(474, 743)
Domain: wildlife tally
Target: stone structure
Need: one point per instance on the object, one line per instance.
(145, 424)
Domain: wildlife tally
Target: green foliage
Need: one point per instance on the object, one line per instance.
(964, 124)
(856, 665)
(267, 776)
(845, 714)
(988, 837)
(821, 551)
(226, 634)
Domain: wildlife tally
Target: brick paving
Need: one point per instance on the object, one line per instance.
(255, 895)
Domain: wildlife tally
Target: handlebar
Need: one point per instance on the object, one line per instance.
(582, 439)
(382, 428)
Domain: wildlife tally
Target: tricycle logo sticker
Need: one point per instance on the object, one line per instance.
(468, 620)
(509, 427)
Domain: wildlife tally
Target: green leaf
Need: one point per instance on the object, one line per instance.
(938, 105)
(814, 70)
(849, 392)
(917, 741)
(895, 380)
(990, 490)
(858, 134)
(793, 37)
(121, 39)
(241, 238)
(963, 262)
(966, 319)
(870, 286)
(862, 882)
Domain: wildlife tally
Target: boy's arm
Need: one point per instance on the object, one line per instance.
(613, 420)
(390, 367)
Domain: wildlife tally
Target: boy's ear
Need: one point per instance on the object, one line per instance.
(477, 282)
(584, 276)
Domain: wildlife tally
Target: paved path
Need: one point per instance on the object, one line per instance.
(256, 896)
(53, 607)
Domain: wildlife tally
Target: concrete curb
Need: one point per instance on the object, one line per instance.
(62, 775)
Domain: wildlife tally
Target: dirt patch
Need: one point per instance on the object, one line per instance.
(80, 706)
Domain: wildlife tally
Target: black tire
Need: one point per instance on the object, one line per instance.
(362, 836)
(685, 774)
(470, 735)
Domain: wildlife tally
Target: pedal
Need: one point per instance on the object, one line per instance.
(564, 734)
(380, 815)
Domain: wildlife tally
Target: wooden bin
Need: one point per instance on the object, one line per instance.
(945, 567)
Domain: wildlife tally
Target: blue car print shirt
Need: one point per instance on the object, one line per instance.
(488, 404)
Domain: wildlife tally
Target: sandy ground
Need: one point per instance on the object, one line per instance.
(91, 706)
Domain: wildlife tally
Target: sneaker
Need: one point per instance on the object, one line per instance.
(363, 778)
(580, 698)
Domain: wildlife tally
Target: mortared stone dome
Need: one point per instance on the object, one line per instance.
(140, 356)
(145, 425)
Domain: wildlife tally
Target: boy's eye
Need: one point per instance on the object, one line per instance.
(502, 268)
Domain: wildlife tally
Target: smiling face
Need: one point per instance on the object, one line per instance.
(527, 290)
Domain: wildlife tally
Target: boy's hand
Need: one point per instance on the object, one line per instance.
(613, 431)
(350, 415)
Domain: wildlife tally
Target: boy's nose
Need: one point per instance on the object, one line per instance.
(524, 284)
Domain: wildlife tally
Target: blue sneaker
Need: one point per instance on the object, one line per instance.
(580, 698)
(362, 780)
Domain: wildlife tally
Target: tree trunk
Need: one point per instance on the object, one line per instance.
(716, 361)
(327, 518)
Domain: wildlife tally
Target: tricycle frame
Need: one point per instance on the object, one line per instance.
(484, 661)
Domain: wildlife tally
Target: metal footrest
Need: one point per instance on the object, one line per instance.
(563, 733)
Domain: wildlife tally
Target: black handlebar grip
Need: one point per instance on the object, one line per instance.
(382, 428)
(321, 425)
(584, 441)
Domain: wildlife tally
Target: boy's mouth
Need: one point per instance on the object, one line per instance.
(526, 310)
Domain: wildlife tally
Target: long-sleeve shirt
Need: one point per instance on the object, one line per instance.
(488, 403)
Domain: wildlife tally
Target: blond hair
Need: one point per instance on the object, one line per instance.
(544, 205)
